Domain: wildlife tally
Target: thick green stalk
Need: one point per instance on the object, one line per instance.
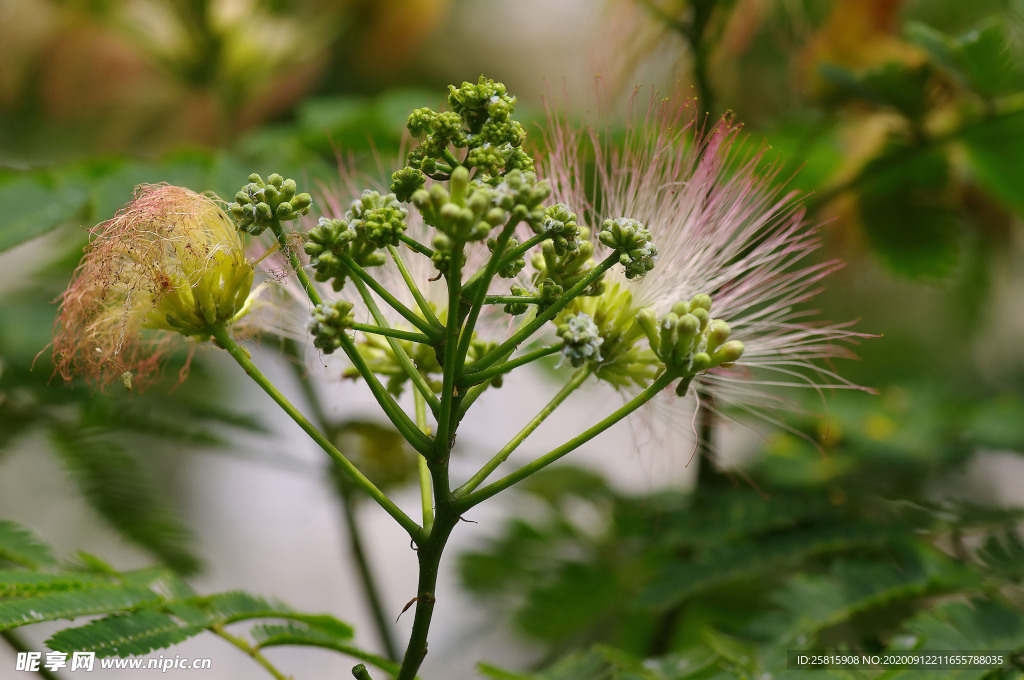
(418, 381)
(466, 502)
(241, 356)
(449, 405)
(547, 315)
(429, 556)
(417, 294)
(501, 456)
(422, 324)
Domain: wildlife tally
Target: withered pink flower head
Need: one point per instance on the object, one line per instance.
(723, 228)
(170, 260)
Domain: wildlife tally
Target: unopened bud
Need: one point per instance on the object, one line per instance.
(728, 353)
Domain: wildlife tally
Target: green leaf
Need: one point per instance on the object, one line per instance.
(132, 634)
(20, 583)
(981, 624)
(290, 634)
(115, 485)
(35, 204)
(72, 604)
(21, 546)
(855, 588)
(906, 213)
(894, 84)
(748, 559)
(995, 148)
(981, 59)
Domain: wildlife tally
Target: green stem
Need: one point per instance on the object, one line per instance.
(394, 412)
(501, 456)
(359, 672)
(512, 255)
(429, 556)
(391, 333)
(18, 645)
(426, 488)
(296, 264)
(348, 511)
(476, 377)
(422, 324)
(416, 245)
(511, 299)
(417, 294)
(418, 381)
(445, 421)
(480, 293)
(550, 313)
(239, 354)
(468, 501)
(241, 644)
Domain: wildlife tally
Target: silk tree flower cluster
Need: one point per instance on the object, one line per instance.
(679, 263)
(734, 252)
(170, 260)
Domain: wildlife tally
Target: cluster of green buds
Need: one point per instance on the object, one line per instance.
(688, 340)
(480, 121)
(624, 361)
(571, 266)
(633, 241)
(559, 224)
(472, 209)
(373, 222)
(581, 339)
(330, 321)
(258, 204)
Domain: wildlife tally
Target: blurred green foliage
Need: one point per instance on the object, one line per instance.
(834, 541)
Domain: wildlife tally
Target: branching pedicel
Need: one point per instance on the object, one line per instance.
(471, 206)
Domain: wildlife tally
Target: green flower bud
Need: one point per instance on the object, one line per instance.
(701, 315)
(728, 354)
(648, 322)
(718, 333)
(701, 362)
(702, 300)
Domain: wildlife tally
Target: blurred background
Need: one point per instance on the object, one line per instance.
(888, 521)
